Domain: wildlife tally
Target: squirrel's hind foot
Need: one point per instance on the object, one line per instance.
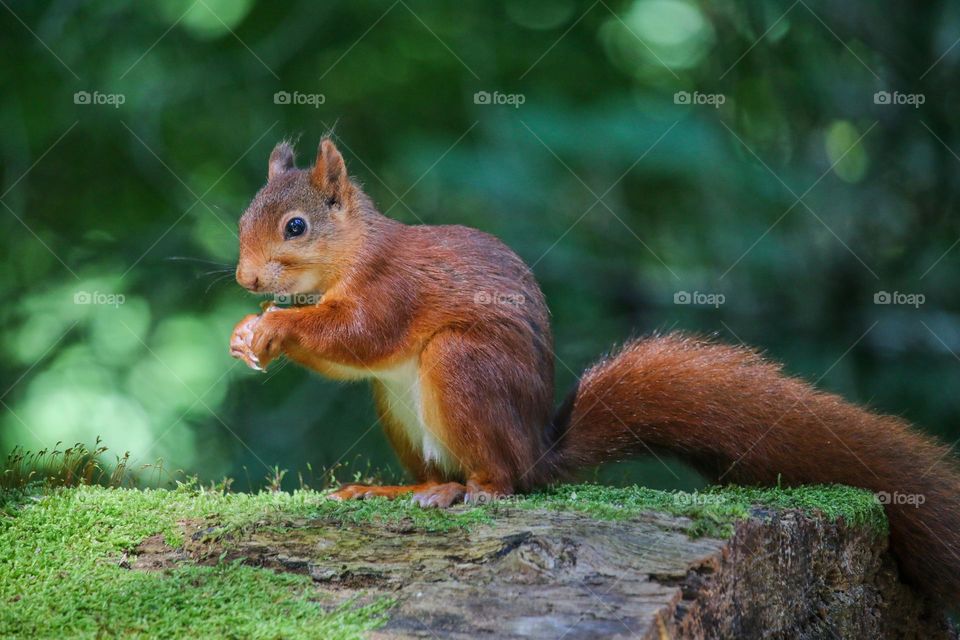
(427, 494)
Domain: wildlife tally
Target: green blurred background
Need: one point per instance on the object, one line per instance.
(784, 184)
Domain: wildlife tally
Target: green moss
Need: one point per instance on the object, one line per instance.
(714, 510)
(60, 549)
(401, 511)
(60, 573)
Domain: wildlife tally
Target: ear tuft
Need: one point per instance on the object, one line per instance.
(281, 160)
(330, 173)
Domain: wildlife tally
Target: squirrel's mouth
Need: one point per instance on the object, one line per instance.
(295, 289)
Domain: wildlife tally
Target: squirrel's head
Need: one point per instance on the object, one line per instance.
(302, 229)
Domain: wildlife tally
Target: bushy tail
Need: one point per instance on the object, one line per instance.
(738, 418)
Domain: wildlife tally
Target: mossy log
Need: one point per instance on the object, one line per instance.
(542, 573)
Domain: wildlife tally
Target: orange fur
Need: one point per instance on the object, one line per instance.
(454, 331)
(737, 418)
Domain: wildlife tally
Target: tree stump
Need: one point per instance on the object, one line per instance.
(551, 574)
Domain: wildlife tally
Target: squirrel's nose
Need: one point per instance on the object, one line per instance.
(248, 281)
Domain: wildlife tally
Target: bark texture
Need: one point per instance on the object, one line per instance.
(545, 574)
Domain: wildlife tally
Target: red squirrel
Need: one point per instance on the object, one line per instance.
(450, 326)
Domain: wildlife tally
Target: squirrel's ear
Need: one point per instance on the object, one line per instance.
(281, 160)
(330, 173)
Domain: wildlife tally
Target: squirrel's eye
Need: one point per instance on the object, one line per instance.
(295, 227)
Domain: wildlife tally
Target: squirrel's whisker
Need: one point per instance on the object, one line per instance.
(215, 282)
(190, 259)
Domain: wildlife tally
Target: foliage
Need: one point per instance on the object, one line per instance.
(799, 198)
(71, 466)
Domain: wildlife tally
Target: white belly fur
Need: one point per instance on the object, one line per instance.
(403, 395)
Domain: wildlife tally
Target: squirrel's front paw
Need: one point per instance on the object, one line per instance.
(266, 340)
(242, 339)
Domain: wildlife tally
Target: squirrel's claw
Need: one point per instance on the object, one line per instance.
(241, 342)
(248, 358)
(253, 362)
(266, 339)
